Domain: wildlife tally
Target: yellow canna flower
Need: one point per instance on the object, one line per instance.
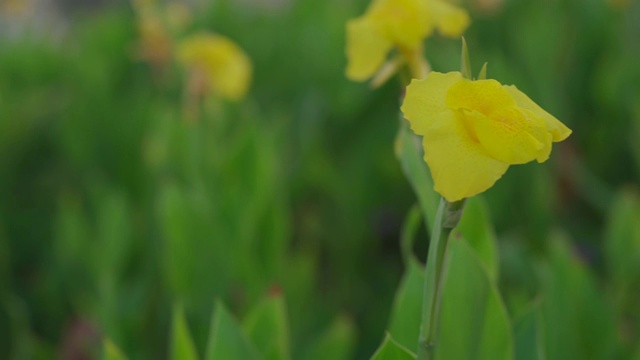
(473, 130)
(399, 24)
(218, 64)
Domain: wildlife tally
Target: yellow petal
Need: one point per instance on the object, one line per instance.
(512, 137)
(403, 22)
(484, 96)
(226, 67)
(366, 49)
(460, 166)
(558, 130)
(426, 98)
(450, 20)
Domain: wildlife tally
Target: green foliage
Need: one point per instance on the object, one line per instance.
(227, 340)
(182, 346)
(474, 323)
(113, 207)
(391, 350)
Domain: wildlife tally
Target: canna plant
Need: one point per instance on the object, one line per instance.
(472, 130)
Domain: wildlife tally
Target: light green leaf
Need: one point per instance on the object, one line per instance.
(182, 347)
(465, 63)
(529, 336)
(227, 340)
(475, 227)
(406, 313)
(473, 319)
(409, 151)
(111, 352)
(578, 323)
(335, 343)
(483, 72)
(391, 350)
(267, 326)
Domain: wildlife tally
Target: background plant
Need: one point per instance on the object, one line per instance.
(113, 210)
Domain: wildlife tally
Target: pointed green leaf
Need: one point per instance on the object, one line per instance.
(578, 323)
(391, 350)
(182, 346)
(408, 148)
(404, 324)
(529, 336)
(483, 72)
(336, 343)
(227, 340)
(465, 63)
(111, 352)
(267, 327)
(473, 319)
(475, 227)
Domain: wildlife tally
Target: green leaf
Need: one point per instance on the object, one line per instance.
(267, 326)
(182, 347)
(529, 336)
(475, 227)
(335, 343)
(227, 340)
(406, 313)
(465, 63)
(473, 319)
(622, 243)
(111, 351)
(483, 72)
(409, 151)
(578, 323)
(391, 350)
(409, 230)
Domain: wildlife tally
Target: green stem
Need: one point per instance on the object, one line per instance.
(446, 219)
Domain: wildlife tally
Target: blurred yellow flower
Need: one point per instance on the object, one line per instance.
(473, 130)
(399, 24)
(216, 65)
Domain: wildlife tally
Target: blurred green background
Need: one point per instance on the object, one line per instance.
(113, 208)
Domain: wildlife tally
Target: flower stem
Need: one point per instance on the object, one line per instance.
(447, 218)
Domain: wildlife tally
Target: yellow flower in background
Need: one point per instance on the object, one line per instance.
(216, 64)
(399, 24)
(473, 130)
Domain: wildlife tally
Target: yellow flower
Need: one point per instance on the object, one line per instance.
(217, 64)
(399, 24)
(473, 130)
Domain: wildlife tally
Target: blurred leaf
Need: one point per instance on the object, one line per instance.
(578, 323)
(227, 340)
(391, 350)
(111, 352)
(114, 229)
(622, 242)
(409, 151)
(409, 230)
(182, 346)
(267, 327)
(335, 343)
(475, 227)
(406, 313)
(465, 63)
(529, 339)
(473, 320)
